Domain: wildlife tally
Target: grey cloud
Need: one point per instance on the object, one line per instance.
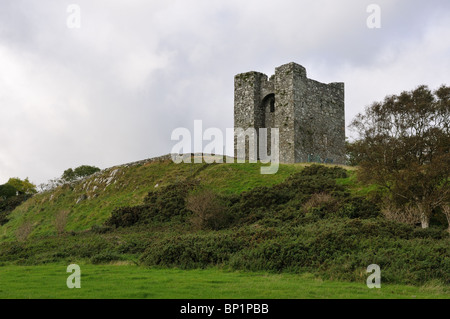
(113, 91)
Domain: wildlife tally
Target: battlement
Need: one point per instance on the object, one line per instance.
(310, 115)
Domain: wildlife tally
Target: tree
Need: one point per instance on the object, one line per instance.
(85, 170)
(208, 212)
(404, 147)
(70, 174)
(7, 191)
(22, 186)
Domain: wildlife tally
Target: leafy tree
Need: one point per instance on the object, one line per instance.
(22, 186)
(404, 146)
(7, 191)
(79, 172)
(85, 170)
(68, 175)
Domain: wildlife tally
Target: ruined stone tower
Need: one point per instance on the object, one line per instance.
(308, 114)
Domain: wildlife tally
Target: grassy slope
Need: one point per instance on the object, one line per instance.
(127, 186)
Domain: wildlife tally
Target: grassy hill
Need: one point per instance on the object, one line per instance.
(314, 219)
(92, 200)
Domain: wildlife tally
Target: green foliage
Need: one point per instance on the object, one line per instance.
(193, 250)
(334, 248)
(7, 191)
(208, 211)
(404, 147)
(163, 204)
(358, 207)
(79, 172)
(68, 175)
(22, 186)
(128, 216)
(85, 170)
(170, 200)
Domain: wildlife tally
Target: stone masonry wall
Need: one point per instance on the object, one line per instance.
(308, 114)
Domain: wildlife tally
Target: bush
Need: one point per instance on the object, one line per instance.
(261, 197)
(24, 231)
(22, 186)
(359, 207)
(163, 204)
(79, 172)
(321, 205)
(287, 198)
(192, 250)
(170, 200)
(208, 211)
(128, 216)
(61, 221)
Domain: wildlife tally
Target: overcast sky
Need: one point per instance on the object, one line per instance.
(113, 90)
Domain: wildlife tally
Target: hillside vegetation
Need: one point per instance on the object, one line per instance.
(305, 218)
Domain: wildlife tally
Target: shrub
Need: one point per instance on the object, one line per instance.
(170, 200)
(61, 221)
(79, 172)
(358, 207)
(22, 186)
(163, 204)
(321, 204)
(262, 197)
(128, 216)
(208, 211)
(23, 231)
(406, 214)
(192, 250)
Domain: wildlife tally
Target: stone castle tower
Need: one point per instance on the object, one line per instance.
(308, 114)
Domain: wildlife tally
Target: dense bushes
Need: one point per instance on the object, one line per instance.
(128, 216)
(333, 248)
(163, 204)
(193, 250)
(170, 200)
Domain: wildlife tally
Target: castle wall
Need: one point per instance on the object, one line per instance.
(247, 99)
(320, 133)
(308, 114)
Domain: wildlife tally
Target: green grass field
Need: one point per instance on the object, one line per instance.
(129, 281)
